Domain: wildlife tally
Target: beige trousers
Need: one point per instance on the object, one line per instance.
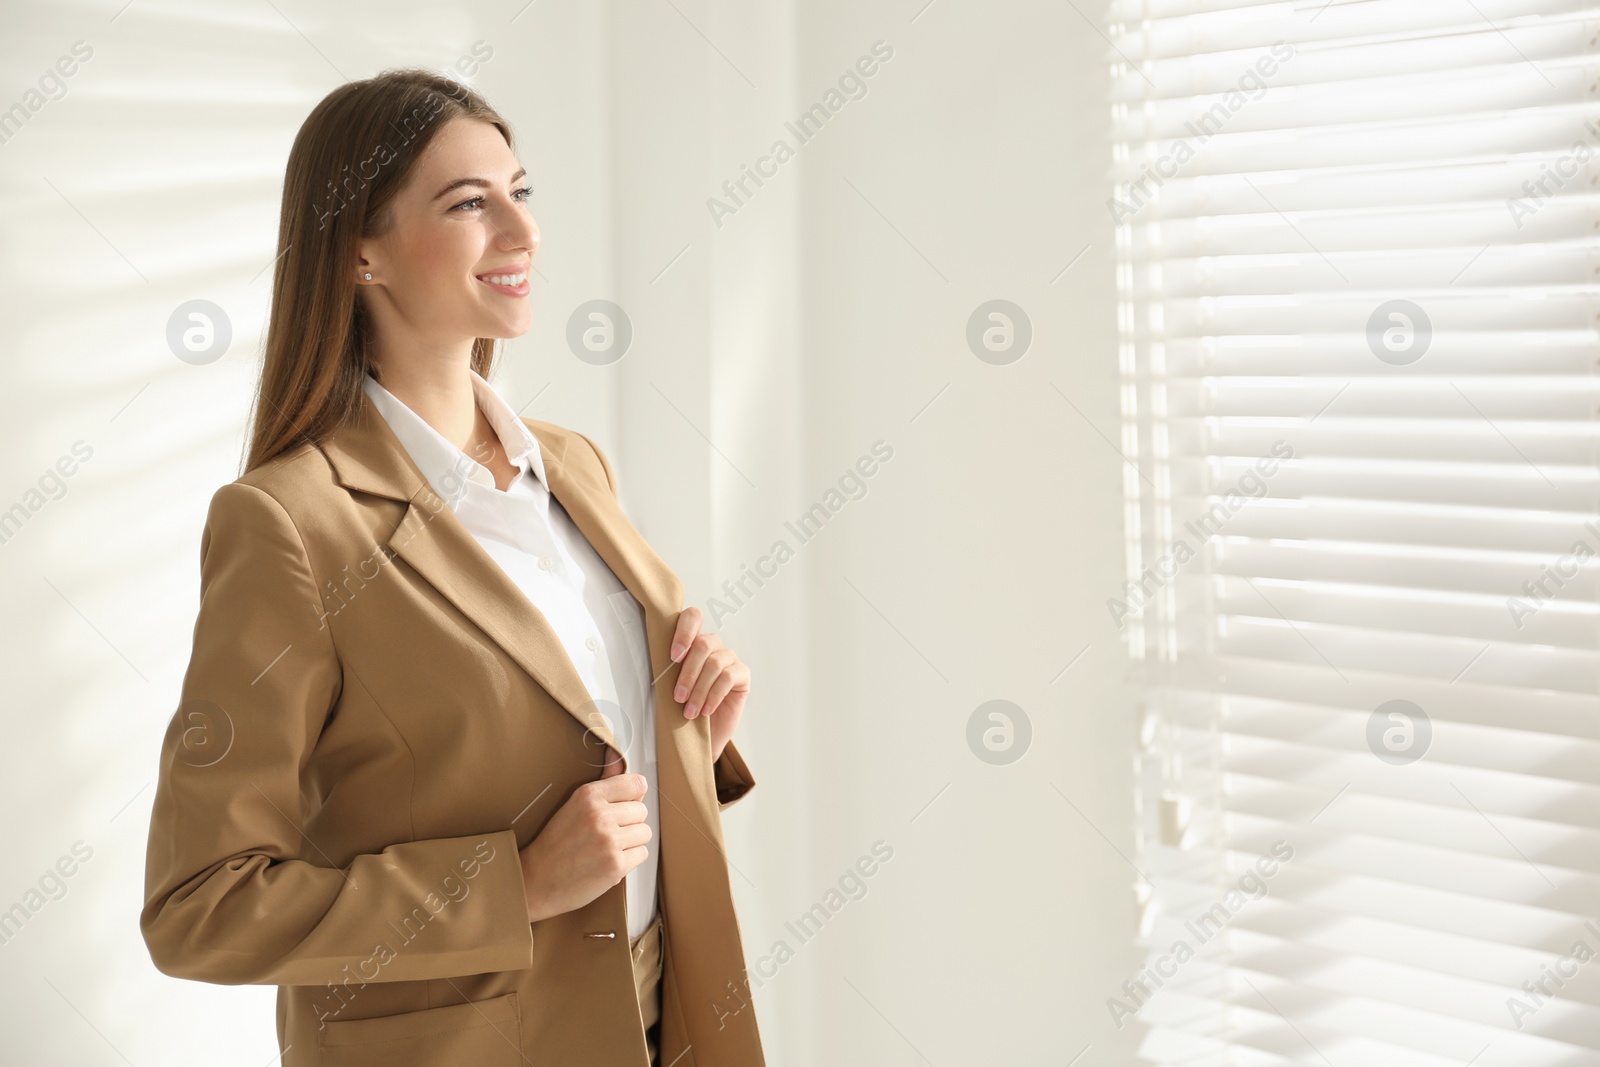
(646, 949)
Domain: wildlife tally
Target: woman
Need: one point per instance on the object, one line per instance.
(443, 710)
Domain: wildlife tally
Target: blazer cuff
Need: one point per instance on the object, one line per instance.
(733, 778)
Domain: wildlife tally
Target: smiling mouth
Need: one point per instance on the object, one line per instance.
(509, 284)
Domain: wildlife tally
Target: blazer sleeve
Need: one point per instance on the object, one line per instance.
(733, 778)
(235, 892)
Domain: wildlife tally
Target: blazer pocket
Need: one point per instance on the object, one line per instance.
(484, 1033)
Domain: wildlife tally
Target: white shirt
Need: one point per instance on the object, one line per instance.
(529, 534)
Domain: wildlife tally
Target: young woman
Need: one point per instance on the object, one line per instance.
(450, 757)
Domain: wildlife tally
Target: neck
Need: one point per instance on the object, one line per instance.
(438, 390)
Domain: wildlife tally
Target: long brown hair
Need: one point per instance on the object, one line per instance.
(353, 153)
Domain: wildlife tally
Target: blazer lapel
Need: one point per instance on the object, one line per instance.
(680, 743)
(367, 457)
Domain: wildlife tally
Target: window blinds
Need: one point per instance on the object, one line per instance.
(1358, 255)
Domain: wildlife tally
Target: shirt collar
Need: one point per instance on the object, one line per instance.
(448, 468)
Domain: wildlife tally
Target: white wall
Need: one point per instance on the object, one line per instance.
(828, 313)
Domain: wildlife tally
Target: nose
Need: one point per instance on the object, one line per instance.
(520, 230)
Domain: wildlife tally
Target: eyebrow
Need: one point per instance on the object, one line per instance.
(479, 183)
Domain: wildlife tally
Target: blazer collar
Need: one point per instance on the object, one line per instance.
(367, 457)
(447, 468)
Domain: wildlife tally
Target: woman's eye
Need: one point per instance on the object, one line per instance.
(521, 195)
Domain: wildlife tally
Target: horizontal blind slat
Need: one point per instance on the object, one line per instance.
(1281, 174)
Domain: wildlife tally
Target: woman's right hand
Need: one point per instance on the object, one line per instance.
(589, 844)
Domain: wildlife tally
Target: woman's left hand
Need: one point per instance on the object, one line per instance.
(712, 681)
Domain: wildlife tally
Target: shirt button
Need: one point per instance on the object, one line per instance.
(592, 645)
(546, 563)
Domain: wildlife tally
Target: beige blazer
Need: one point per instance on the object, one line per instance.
(373, 721)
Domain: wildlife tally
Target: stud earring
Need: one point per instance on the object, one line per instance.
(369, 276)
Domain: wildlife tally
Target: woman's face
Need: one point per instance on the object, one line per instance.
(462, 218)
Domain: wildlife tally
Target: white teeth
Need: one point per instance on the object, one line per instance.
(503, 279)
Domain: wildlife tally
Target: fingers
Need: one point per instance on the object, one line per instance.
(632, 857)
(633, 848)
(694, 660)
(628, 812)
(719, 689)
(618, 787)
(716, 662)
(688, 629)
